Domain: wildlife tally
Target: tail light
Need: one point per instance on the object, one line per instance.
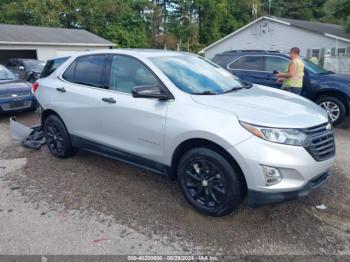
(35, 87)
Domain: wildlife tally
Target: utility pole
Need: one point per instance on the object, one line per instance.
(270, 7)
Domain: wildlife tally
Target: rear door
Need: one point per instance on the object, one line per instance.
(133, 125)
(249, 68)
(78, 94)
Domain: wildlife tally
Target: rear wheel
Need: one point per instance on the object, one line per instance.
(57, 137)
(334, 107)
(209, 182)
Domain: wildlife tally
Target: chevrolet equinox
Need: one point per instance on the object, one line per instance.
(182, 116)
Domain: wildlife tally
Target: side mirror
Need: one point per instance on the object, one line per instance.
(21, 67)
(150, 91)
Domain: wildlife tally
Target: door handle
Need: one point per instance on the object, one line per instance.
(109, 100)
(61, 89)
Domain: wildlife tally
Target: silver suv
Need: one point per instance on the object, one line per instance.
(184, 117)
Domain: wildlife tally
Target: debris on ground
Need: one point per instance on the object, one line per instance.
(99, 240)
(15, 187)
(321, 207)
(30, 137)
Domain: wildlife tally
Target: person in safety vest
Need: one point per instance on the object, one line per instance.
(292, 80)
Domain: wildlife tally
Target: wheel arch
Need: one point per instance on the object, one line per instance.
(189, 144)
(48, 112)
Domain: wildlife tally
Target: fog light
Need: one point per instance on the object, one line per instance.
(271, 174)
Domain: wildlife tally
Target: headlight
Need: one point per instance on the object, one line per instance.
(293, 137)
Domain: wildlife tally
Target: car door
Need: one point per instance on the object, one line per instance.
(19, 68)
(13, 65)
(274, 63)
(133, 125)
(249, 68)
(77, 96)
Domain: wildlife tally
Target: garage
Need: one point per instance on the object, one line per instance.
(43, 43)
(6, 54)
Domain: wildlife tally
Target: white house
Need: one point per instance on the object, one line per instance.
(23, 41)
(271, 33)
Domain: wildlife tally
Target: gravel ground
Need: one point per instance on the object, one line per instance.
(89, 204)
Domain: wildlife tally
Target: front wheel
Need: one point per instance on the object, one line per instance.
(209, 182)
(334, 107)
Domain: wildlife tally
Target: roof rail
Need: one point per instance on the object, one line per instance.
(251, 50)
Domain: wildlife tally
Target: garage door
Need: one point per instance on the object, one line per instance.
(5, 55)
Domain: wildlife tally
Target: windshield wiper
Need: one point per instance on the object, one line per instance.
(205, 93)
(233, 89)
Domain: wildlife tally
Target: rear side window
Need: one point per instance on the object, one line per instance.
(255, 63)
(52, 65)
(86, 70)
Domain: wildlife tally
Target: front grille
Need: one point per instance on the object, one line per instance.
(320, 142)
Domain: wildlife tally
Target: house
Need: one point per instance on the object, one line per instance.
(315, 40)
(23, 41)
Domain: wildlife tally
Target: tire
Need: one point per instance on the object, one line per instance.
(335, 108)
(209, 182)
(57, 137)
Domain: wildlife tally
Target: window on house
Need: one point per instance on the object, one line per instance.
(315, 53)
(341, 51)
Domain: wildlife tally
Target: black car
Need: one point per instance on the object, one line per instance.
(26, 69)
(15, 93)
(329, 90)
(52, 64)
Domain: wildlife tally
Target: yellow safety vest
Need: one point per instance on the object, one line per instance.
(297, 80)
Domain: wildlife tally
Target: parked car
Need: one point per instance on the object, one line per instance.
(15, 94)
(182, 116)
(52, 64)
(26, 69)
(329, 90)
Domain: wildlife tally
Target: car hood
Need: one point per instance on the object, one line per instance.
(266, 106)
(339, 77)
(16, 85)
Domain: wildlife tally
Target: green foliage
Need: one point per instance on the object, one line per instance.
(184, 24)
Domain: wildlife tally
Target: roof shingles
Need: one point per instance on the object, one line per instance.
(323, 28)
(49, 35)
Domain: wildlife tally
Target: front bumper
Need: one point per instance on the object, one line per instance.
(258, 198)
(298, 168)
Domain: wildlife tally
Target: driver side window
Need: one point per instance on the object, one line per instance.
(276, 63)
(128, 72)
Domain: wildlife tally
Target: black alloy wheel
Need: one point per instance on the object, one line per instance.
(204, 182)
(57, 137)
(209, 182)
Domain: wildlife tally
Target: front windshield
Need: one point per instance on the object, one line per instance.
(313, 68)
(195, 75)
(34, 65)
(6, 74)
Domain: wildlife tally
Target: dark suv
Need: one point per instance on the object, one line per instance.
(329, 90)
(26, 69)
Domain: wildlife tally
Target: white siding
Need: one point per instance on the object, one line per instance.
(270, 35)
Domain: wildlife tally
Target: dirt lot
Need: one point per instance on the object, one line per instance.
(93, 205)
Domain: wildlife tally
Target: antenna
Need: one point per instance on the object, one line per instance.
(255, 11)
(270, 7)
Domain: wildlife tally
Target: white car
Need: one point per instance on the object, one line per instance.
(182, 116)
